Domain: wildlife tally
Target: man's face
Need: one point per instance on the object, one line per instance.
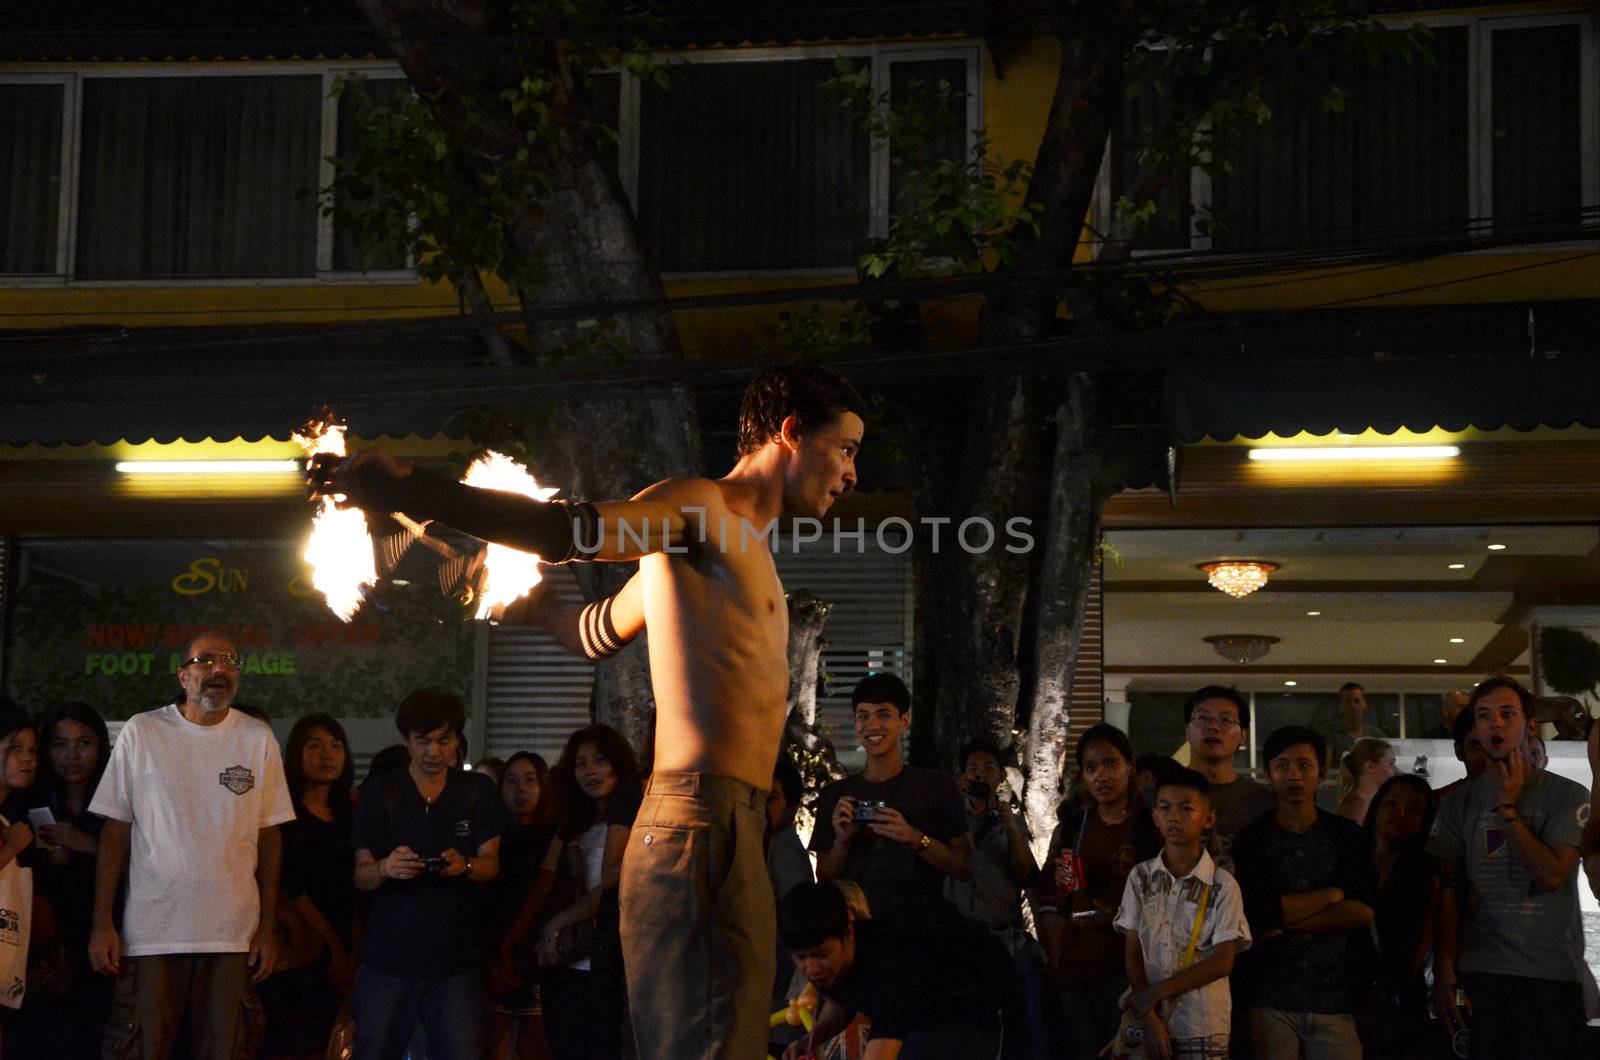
(1352, 704)
(1182, 815)
(210, 673)
(824, 964)
(1473, 756)
(1499, 724)
(879, 727)
(981, 765)
(1450, 706)
(822, 464)
(1215, 729)
(432, 752)
(1295, 774)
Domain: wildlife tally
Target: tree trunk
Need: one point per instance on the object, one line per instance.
(971, 604)
(576, 229)
(1069, 539)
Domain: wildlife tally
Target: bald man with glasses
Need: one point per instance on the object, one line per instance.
(192, 798)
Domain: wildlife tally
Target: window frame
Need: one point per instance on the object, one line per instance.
(71, 78)
(67, 193)
(72, 150)
(1480, 139)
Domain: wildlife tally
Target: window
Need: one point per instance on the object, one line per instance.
(1390, 167)
(349, 255)
(748, 165)
(1495, 137)
(30, 176)
(1536, 81)
(1142, 112)
(198, 178)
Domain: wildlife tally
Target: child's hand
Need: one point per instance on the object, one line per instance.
(1157, 1043)
(1143, 1000)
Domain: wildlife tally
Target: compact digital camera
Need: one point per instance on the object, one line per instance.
(867, 809)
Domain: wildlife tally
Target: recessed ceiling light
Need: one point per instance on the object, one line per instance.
(1291, 684)
(1441, 662)
(1497, 548)
(1456, 566)
(1313, 614)
(1458, 640)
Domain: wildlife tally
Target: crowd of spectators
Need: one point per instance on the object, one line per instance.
(195, 893)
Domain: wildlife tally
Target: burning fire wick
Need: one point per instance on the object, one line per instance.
(339, 550)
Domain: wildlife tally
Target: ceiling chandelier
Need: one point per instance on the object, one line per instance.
(1238, 577)
(1241, 647)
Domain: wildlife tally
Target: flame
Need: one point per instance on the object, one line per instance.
(339, 550)
(508, 573)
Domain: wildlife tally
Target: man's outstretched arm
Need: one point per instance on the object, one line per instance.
(556, 531)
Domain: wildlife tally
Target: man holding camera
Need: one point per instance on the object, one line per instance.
(424, 836)
(896, 830)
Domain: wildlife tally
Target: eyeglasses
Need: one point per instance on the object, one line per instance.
(212, 660)
(1206, 720)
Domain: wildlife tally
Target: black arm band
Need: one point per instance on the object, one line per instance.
(597, 633)
(554, 530)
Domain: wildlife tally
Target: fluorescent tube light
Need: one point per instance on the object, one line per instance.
(208, 467)
(1309, 453)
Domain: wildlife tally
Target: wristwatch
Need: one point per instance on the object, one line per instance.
(922, 844)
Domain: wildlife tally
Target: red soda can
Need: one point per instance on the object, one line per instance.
(1072, 870)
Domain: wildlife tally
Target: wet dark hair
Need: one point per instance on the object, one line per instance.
(83, 714)
(578, 810)
(545, 813)
(1217, 692)
(1286, 737)
(1187, 779)
(428, 709)
(294, 774)
(881, 688)
(1490, 684)
(1110, 734)
(816, 394)
(812, 913)
(787, 776)
(1369, 824)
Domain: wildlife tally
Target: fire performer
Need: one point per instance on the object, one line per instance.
(697, 910)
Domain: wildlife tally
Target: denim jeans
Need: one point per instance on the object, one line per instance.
(1312, 1035)
(388, 1007)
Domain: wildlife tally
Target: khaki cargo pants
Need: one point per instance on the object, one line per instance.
(699, 931)
(202, 1000)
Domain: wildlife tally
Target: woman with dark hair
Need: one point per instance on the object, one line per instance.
(316, 900)
(75, 748)
(597, 781)
(515, 1019)
(1091, 854)
(1397, 826)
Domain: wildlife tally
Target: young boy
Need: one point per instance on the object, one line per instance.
(1181, 994)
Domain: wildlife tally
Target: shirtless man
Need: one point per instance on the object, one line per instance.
(697, 911)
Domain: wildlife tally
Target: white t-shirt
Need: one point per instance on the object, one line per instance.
(1160, 909)
(589, 858)
(198, 797)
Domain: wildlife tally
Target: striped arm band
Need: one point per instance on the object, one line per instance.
(596, 632)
